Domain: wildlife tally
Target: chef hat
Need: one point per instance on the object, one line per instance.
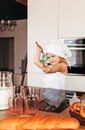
(58, 48)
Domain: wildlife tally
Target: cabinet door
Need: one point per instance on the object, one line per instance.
(42, 27)
(71, 18)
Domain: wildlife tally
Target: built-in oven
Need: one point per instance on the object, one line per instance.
(77, 61)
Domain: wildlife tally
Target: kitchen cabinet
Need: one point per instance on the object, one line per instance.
(71, 18)
(42, 27)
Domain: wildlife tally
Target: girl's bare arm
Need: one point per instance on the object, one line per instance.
(37, 57)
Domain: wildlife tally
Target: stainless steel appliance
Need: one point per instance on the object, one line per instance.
(77, 61)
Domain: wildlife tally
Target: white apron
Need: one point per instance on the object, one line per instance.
(52, 83)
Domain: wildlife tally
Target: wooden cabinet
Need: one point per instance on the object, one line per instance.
(71, 18)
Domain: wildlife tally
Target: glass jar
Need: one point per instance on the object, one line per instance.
(5, 88)
(31, 96)
(16, 101)
(82, 110)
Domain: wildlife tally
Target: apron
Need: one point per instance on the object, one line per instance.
(52, 83)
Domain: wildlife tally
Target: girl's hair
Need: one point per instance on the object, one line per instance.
(62, 60)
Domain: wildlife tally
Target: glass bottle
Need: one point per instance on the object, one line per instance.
(74, 99)
(82, 110)
(16, 101)
(5, 88)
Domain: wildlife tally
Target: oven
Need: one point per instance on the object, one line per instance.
(77, 61)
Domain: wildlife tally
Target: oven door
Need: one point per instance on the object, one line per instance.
(77, 61)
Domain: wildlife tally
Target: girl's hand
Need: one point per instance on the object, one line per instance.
(46, 68)
(41, 49)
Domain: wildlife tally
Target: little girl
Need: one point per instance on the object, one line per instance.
(55, 70)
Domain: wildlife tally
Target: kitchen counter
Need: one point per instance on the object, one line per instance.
(5, 114)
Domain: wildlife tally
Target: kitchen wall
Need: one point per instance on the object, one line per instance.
(20, 42)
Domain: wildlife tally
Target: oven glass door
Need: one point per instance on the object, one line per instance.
(77, 61)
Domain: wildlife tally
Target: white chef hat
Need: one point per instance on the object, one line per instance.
(58, 48)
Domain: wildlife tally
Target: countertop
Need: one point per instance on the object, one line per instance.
(5, 114)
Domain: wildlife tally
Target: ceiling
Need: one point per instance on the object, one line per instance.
(11, 9)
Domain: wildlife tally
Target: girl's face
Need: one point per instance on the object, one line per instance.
(52, 59)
